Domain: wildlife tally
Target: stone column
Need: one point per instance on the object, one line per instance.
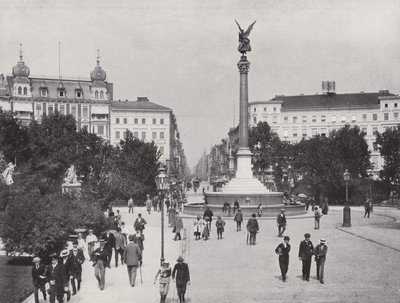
(244, 154)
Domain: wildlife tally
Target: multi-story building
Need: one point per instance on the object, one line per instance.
(304, 116)
(88, 100)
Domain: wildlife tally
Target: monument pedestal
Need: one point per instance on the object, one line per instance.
(71, 189)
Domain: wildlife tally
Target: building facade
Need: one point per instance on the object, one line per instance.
(304, 116)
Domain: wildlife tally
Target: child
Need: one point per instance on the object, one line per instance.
(220, 227)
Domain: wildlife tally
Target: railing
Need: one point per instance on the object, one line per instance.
(20, 297)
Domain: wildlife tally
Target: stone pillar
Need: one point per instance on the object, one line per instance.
(244, 154)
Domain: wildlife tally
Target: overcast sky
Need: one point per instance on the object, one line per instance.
(183, 54)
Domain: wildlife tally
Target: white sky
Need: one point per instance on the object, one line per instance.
(183, 54)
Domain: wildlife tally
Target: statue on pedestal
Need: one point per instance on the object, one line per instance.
(71, 177)
(244, 41)
(8, 174)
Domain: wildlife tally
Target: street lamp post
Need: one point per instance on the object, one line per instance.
(162, 183)
(346, 209)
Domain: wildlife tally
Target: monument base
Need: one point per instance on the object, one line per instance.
(71, 189)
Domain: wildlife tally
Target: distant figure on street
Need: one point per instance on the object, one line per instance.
(178, 226)
(139, 223)
(100, 262)
(81, 242)
(306, 250)
(109, 245)
(167, 203)
(130, 205)
(76, 259)
(148, 203)
(124, 231)
(165, 275)
(198, 227)
(259, 210)
(235, 206)
(66, 262)
(320, 257)
(367, 207)
(317, 217)
(207, 216)
(132, 259)
(282, 251)
(238, 219)
(91, 239)
(252, 229)
(220, 227)
(57, 278)
(181, 275)
(138, 238)
(281, 223)
(38, 279)
(120, 243)
(154, 202)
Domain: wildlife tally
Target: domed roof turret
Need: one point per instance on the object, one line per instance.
(98, 75)
(20, 70)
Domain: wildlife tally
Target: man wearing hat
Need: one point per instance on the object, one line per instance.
(320, 255)
(120, 243)
(198, 227)
(207, 216)
(132, 259)
(108, 236)
(57, 278)
(66, 262)
(181, 270)
(76, 259)
(306, 250)
(100, 262)
(238, 219)
(139, 223)
(91, 239)
(281, 223)
(283, 250)
(178, 226)
(38, 279)
(252, 229)
(165, 274)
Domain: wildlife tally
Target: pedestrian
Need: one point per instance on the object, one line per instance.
(281, 222)
(76, 259)
(118, 218)
(259, 210)
(138, 238)
(178, 226)
(207, 216)
(110, 211)
(206, 230)
(198, 227)
(252, 229)
(91, 239)
(320, 257)
(165, 275)
(139, 224)
(132, 259)
(154, 202)
(81, 242)
(181, 275)
(124, 231)
(38, 279)
(220, 227)
(120, 243)
(57, 278)
(367, 207)
(148, 203)
(110, 244)
(100, 262)
(235, 206)
(306, 250)
(130, 205)
(282, 251)
(167, 203)
(66, 262)
(238, 219)
(317, 216)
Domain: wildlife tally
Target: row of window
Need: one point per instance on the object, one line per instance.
(136, 121)
(78, 93)
(62, 110)
(321, 131)
(387, 105)
(265, 109)
(143, 135)
(19, 90)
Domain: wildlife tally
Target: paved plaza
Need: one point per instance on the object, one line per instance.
(363, 262)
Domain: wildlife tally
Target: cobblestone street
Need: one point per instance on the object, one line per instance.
(363, 262)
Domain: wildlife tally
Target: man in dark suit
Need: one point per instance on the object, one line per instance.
(320, 257)
(306, 250)
(58, 279)
(38, 279)
(132, 259)
(100, 262)
(281, 223)
(76, 259)
(110, 244)
(120, 243)
(252, 229)
(181, 270)
(283, 250)
(139, 223)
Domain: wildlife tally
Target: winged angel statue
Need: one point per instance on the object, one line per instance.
(244, 41)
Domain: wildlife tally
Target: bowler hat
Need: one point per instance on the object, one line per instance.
(64, 253)
(253, 215)
(131, 237)
(307, 235)
(180, 259)
(286, 238)
(36, 259)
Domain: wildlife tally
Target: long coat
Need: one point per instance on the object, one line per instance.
(238, 216)
(59, 275)
(132, 254)
(252, 226)
(36, 273)
(182, 273)
(178, 224)
(75, 262)
(283, 252)
(306, 249)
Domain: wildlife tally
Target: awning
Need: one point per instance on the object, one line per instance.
(100, 109)
(22, 107)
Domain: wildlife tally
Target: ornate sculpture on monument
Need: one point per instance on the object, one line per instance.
(71, 184)
(244, 41)
(71, 177)
(8, 174)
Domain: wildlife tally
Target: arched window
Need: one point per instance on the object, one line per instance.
(101, 95)
(25, 91)
(96, 94)
(19, 90)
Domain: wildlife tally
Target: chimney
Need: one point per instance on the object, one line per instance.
(328, 87)
(142, 99)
